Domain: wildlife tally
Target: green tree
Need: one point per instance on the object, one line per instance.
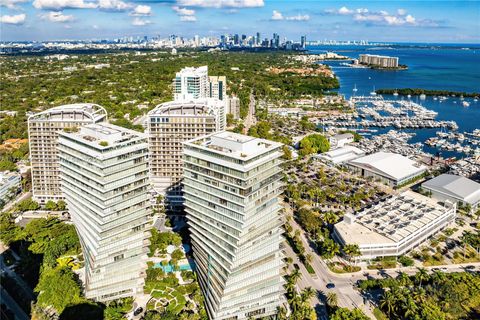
(58, 288)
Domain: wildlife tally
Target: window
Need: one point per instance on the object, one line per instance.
(118, 258)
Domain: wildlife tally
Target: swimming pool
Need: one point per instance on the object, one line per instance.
(183, 267)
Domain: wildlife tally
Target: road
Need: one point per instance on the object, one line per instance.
(344, 283)
(21, 197)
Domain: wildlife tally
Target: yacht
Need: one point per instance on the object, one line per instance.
(355, 88)
(373, 93)
(423, 96)
(466, 103)
(395, 93)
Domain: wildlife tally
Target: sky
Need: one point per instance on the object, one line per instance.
(431, 21)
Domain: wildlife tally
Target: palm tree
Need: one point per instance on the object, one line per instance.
(295, 275)
(307, 294)
(308, 258)
(387, 302)
(421, 276)
(332, 299)
(403, 279)
(352, 251)
(281, 313)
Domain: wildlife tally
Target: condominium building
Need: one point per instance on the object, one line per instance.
(395, 225)
(169, 125)
(43, 131)
(376, 60)
(233, 106)
(10, 183)
(104, 176)
(191, 83)
(217, 87)
(232, 185)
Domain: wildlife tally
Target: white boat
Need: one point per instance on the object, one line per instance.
(373, 93)
(466, 103)
(423, 96)
(355, 88)
(395, 93)
(409, 96)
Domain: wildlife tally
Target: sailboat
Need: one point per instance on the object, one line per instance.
(395, 93)
(373, 93)
(355, 88)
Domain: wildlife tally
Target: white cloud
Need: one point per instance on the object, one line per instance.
(183, 11)
(298, 17)
(222, 3)
(140, 22)
(188, 18)
(141, 10)
(57, 16)
(401, 12)
(361, 10)
(344, 11)
(11, 4)
(186, 15)
(276, 15)
(410, 19)
(114, 5)
(14, 19)
(63, 4)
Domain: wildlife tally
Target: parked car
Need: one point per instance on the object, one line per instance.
(138, 311)
(330, 285)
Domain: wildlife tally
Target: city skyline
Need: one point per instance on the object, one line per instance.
(401, 21)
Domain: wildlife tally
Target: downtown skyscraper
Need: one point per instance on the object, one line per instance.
(232, 185)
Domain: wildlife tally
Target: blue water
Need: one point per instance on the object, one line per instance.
(444, 67)
(169, 268)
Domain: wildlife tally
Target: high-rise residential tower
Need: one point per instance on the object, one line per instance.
(43, 129)
(217, 87)
(232, 185)
(169, 125)
(191, 83)
(104, 176)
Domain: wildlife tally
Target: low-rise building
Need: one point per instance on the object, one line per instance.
(340, 155)
(390, 168)
(339, 140)
(457, 189)
(395, 225)
(9, 185)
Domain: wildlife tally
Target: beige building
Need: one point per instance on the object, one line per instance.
(233, 106)
(43, 131)
(376, 60)
(217, 87)
(169, 125)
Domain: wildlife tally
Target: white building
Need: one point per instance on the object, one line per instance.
(104, 174)
(232, 185)
(9, 185)
(233, 106)
(169, 125)
(339, 140)
(340, 155)
(381, 61)
(191, 83)
(394, 226)
(454, 188)
(390, 168)
(43, 131)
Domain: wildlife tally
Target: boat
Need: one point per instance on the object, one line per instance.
(466, 103)
(355, 88)
(423, 96)
(409, 96)
(395, 93)
(373, 93)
